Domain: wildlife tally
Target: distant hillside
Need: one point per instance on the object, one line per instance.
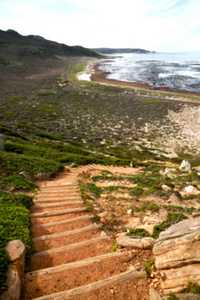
(120, 50)
(14, 44)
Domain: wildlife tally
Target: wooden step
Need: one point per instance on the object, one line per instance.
(59, 226)
(92, 287)
(75, 198)
(60, 239)
(70, 253)
(68, 276)
(57, 212)
(54, 205)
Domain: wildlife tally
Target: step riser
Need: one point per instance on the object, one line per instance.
(59, 228)
(65, 255)
(38, 221)
(56, 208)
(66, 280)
(56, 196)
(65, 240)
(58, 200)
(57, 213)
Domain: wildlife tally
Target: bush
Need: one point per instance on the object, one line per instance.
(16, 182)
(138, 232)
(12, 163)
(172, 218)
(23, 199)
(15, 224)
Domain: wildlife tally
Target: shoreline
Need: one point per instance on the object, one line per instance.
(100, 76)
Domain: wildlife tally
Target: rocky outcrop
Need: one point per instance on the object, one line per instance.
(185, 166)
(177, 255)
(15, 274)
(136, 242)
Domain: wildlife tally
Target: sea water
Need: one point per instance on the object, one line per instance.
(177, 71)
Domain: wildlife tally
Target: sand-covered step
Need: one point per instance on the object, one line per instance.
(73, 198)
(57, 212)
(72, 275)
(63, 225)
(57, 196)
(70, 253)
(65, 216)
(58, 192)
(79, 292)
(55, 206)
(60, 239)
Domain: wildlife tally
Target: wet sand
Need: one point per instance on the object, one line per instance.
(101, 77)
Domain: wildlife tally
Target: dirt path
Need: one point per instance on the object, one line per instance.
(73, 259)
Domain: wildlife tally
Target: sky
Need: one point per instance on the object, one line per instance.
(156, 25)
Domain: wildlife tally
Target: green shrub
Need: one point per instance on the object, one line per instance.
(95, 190)
(149, 266)
(138, 232)
(15, 224)
(12, 163)
(7, 131)
(147, 206)
(172, 218)
(17, 182)
(50, 136)
(172, 297)
(23, 199)
(193, 288)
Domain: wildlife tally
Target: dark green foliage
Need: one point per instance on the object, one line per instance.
(15, 224)
(147, 206)
(12, 163)
(7, 131)
(138, 232)
(136, 191)
(172, 297)
(95, 190)
(193, 288)
(172, 218)
(23, 199)
(171, 208)
(149, 266)
(17, 182)
(49, 136)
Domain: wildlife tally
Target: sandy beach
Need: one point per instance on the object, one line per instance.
(100, 76)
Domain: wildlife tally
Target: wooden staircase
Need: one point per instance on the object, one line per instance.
(72, 259)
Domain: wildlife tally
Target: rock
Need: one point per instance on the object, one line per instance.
(14, 285)
(153, 295)
(129, 211)
(176, 280)
(136, 242)
(26, 175)
(169, 170)
(177, 255)
(185, 166)
(73, 165)
(1, 142)
(109, 218)
(16, 251)
(166, 187)
(191, 190)
(196, 214)
(120, 234)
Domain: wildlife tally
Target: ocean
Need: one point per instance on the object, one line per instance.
(176, 71)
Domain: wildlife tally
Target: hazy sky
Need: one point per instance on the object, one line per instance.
(160, 25)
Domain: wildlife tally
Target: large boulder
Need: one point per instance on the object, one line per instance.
(177, 255)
